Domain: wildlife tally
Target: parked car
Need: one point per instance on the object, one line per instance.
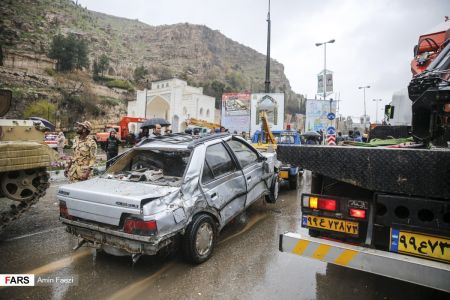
(169, 189)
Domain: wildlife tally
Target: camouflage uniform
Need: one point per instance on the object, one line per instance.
(84, 151)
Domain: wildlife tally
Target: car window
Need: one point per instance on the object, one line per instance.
(207, 175)
(244, 154)
(219, 160)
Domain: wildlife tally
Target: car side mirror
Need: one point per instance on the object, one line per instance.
(266, 167)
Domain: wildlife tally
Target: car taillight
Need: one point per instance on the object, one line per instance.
(63, 211)
(319, 203)
(140, 227)
(327, 204)
(357, 213)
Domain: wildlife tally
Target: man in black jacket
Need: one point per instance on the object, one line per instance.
(112, 147)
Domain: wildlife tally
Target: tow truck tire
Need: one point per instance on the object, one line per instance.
(293, 182)
(199, 240)
(274, 189)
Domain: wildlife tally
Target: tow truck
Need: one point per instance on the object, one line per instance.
(266, 139)
(384, 210)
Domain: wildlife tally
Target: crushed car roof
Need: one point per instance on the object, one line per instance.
(178, 141)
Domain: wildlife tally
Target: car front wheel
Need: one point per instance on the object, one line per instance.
(274, 189)
(199, 239)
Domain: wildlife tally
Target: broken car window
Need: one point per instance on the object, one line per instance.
(155, 166)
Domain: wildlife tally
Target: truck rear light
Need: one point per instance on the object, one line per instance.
(313, 201)
(140, 227)
(63, 211)
(327, 204)
(357, 213)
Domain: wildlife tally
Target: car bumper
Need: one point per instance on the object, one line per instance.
(105, 238)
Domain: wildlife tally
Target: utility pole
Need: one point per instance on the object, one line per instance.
(267, 82)
(365, 114)
(376, 102)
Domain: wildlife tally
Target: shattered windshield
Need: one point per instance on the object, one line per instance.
(161, 167)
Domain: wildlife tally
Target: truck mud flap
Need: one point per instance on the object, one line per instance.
(407, 268)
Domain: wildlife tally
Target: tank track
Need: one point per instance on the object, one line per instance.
(15, 211)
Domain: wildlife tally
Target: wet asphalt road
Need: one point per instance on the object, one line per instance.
(246, 264)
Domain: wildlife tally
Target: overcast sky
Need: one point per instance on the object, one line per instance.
(374, 38)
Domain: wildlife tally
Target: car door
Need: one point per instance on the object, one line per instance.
(223, 182)
(252, 167)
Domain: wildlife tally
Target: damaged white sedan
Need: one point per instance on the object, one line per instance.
(167, 190)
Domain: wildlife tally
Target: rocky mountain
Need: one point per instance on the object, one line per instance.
(195, 53)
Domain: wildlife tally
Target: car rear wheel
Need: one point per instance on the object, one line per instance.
(199, 239)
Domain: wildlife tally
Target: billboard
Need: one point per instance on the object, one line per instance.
(273, 104)
(329, 78)
(316, 114)
(235, 115)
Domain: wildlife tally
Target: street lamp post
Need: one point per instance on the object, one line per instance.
(364, 89)
(376, 102)
(324, 80)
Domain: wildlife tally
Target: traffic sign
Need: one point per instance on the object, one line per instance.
(331, 139)
(331, 116)
(331, 130)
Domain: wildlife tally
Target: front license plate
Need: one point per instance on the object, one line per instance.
(431, 247)
(331, 224)
(284, 174)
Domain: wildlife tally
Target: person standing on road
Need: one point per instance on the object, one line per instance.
(61, 141)
(111, 147)
(84, 150)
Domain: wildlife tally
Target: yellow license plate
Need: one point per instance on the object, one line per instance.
(331, 224)
(427, 246)
(284, 174)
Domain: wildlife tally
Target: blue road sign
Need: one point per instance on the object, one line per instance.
(331, 130)
(331, 116)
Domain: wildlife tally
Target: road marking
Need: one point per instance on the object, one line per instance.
(133, 290)
(32, 234)
(57, 265)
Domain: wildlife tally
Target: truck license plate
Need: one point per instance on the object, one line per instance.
(284, 174)
(331, 224)
(431, 247)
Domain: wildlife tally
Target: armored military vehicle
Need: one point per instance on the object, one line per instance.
(24, 159)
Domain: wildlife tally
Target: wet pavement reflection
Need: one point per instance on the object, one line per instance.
(246, 264)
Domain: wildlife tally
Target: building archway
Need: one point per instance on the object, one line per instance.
(158, 107)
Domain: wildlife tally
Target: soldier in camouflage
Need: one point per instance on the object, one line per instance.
(84, 151)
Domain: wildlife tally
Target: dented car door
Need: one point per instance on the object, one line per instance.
(223, 182)
(252, 168)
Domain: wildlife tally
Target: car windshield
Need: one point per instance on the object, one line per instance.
(161, 167)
